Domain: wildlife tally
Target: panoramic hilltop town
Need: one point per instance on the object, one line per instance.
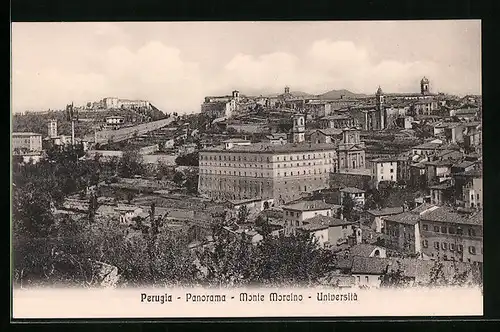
(338, 189)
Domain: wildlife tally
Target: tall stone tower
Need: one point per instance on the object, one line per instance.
(424, 86)
(299, 128)
(287, 90)
(52, 128)
(380, 100)
(236, 95)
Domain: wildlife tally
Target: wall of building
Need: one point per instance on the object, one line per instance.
(339, 232)
(321, 236)
(369, 280)
(473, 193)
(340, 180)
(433, 235)
(385, 171)
(401, 236)
(29, 142)
(282, 176)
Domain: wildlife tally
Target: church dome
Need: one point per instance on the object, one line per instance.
(424, 80)
(379, 90)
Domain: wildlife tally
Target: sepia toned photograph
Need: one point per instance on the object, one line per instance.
(246, 169)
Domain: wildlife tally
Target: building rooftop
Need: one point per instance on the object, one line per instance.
(442, 186)
(439, 163)
(277, 136)
(362, 249)
(236, 140)
(407, 218)
(273, 148)
(449, 215)
(428, 145)
(386, 159)
(464, 164)
(313, 227)
(369, 265)
(25, 134)
(423, 207)
(308, 206)
(352, 190)
(330, 131)
(337, 117)
(329, 221)
(386, 211)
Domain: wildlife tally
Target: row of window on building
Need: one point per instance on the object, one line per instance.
(261, 174)
(450, 246)
(450, 230)
(262, 159)
(328, 161)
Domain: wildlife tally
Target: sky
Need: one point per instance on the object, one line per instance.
(176, 64)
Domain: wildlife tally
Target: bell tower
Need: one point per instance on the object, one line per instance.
(380, 100)
(424, 86)
(298, 128)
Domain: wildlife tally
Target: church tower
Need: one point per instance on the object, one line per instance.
(380, 99)
(424, 86)
(287, 90)
(298, 128)
(52, 128)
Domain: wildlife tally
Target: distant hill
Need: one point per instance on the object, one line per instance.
(337, 94)
(301, 94)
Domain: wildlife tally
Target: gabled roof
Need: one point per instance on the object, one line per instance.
(329, 221)
(369, 265)
(428, 145)
(330, 131)
(449, 215)
(308, 206)
(352, 190)
(363, 249)
(406, 218)
(386, 211)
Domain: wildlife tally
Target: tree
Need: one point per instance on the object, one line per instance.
(228, 263)
(130, 196)
(437, 277)
(347, 206)
(243, 213)
(395, 277)
(130, 164)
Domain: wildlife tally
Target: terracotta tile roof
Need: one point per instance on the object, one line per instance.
(274, 148)
(369, 265)
(406, 218)
(352, 190)
(442, 186)
(449, 215)
(362, 249)
(330, 131)
(308, 206)
(422, 208)
(329, 221)
(386, 211)
(313, 227)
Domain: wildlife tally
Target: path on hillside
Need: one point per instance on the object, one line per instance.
(104, 136)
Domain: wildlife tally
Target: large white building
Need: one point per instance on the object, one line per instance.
(384, 169)
(26, 142)
(282, 172)
(113, 102)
